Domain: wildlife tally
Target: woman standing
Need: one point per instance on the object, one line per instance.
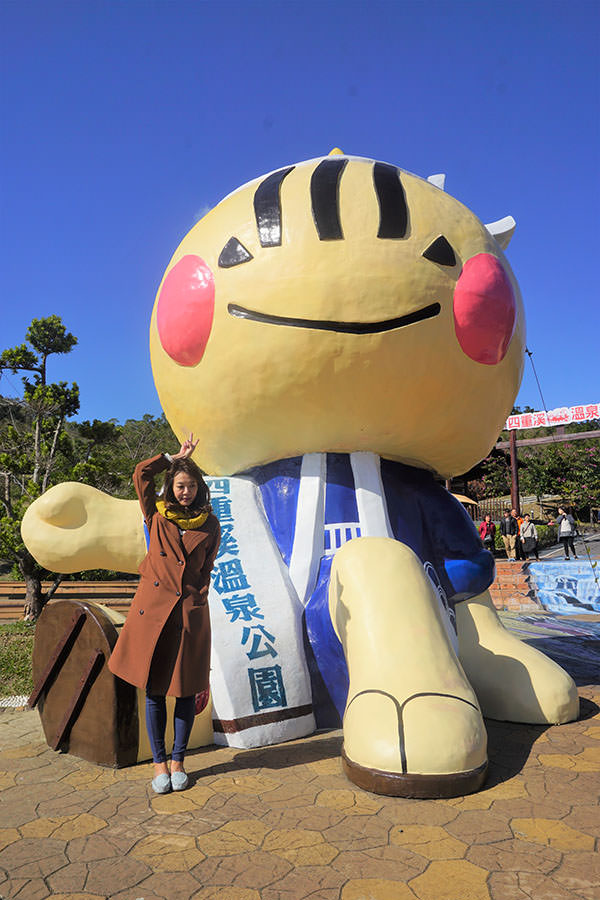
(529, 537)
(487, 533)
(164, 645)
(566, 531)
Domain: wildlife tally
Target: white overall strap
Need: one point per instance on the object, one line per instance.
(309, 539)
(370, 495)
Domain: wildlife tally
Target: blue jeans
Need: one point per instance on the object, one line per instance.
(156, 723)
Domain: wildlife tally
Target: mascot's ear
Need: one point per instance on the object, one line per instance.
(502, 230)
(438, 180)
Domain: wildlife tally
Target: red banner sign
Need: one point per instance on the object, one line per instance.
(564, 415)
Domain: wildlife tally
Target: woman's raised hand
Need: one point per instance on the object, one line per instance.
(187, 448)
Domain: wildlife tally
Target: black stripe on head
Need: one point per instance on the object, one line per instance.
(233, 254)
(267, 208)
(324, 195)
(393, 212)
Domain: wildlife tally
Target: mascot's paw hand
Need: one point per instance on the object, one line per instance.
(73, 527)
(429, 745)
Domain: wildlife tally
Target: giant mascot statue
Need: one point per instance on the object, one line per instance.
(341, 335)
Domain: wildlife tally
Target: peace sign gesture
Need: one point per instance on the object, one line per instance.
(187, 448)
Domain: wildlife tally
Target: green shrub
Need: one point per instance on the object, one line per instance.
(546, 535)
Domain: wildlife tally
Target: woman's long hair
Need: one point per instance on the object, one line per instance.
(201, 501)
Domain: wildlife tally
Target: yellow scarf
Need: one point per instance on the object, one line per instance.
(186, 523)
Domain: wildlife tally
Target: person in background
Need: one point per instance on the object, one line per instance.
(566, 531)
(508, 530)
(529, 537)
(487, 533)
(518, 545)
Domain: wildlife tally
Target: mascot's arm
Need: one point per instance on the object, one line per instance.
(74, 527)
(465, 567)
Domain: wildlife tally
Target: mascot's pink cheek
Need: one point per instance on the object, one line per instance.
(185, 310)
(484, 309)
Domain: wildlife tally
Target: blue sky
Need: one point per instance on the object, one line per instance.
(122, 122)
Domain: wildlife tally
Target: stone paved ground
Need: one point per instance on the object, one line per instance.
(283, 823)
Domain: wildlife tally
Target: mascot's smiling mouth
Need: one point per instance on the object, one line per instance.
(427, 312)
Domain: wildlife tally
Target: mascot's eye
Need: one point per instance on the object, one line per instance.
(233, 254)
(440, 252)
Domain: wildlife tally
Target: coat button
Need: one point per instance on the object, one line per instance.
(141, 612)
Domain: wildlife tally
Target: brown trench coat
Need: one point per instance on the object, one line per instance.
(164, 645)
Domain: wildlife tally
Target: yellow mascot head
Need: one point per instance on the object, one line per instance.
(339, 304)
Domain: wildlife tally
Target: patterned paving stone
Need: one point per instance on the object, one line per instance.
(244, 784)
(173, 803)
(316, 818)
(160, 886)
(174, 852)
(507, 790)
(109, 876)
(304, 882)
(71, 878)
(76, 896)
(17, 809)
(388, 863)
(527, 809)
(63, 827)
(553, 833)
(300, 847)
(30, 858)
(350, 802)
(525, 886)
(69, 803)
(96, 846)
(451, 879)
(585, 818)
(515, 856)
(418, 812)
(580, 873)
(479, 828)
(375, 889)
(33, 889)
(25, 751)
(358, 833)
(586, 761)
(231, 893)
(240, 836)
(255, 870)
(429, 841)
(8, 836)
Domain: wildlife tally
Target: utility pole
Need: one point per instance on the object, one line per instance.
(514, 481)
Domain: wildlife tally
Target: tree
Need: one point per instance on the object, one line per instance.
(34, 444)
(570, 470)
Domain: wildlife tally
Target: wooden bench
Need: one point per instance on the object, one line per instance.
(114, 594)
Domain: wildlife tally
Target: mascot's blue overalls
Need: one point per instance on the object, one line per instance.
(419, 512)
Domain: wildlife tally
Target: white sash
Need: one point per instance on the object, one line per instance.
(259, 680)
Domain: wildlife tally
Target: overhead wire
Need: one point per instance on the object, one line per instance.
(593, 563)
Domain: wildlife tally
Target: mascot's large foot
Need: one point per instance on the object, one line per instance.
(73, 527)
(412, 726)
(513, 681)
